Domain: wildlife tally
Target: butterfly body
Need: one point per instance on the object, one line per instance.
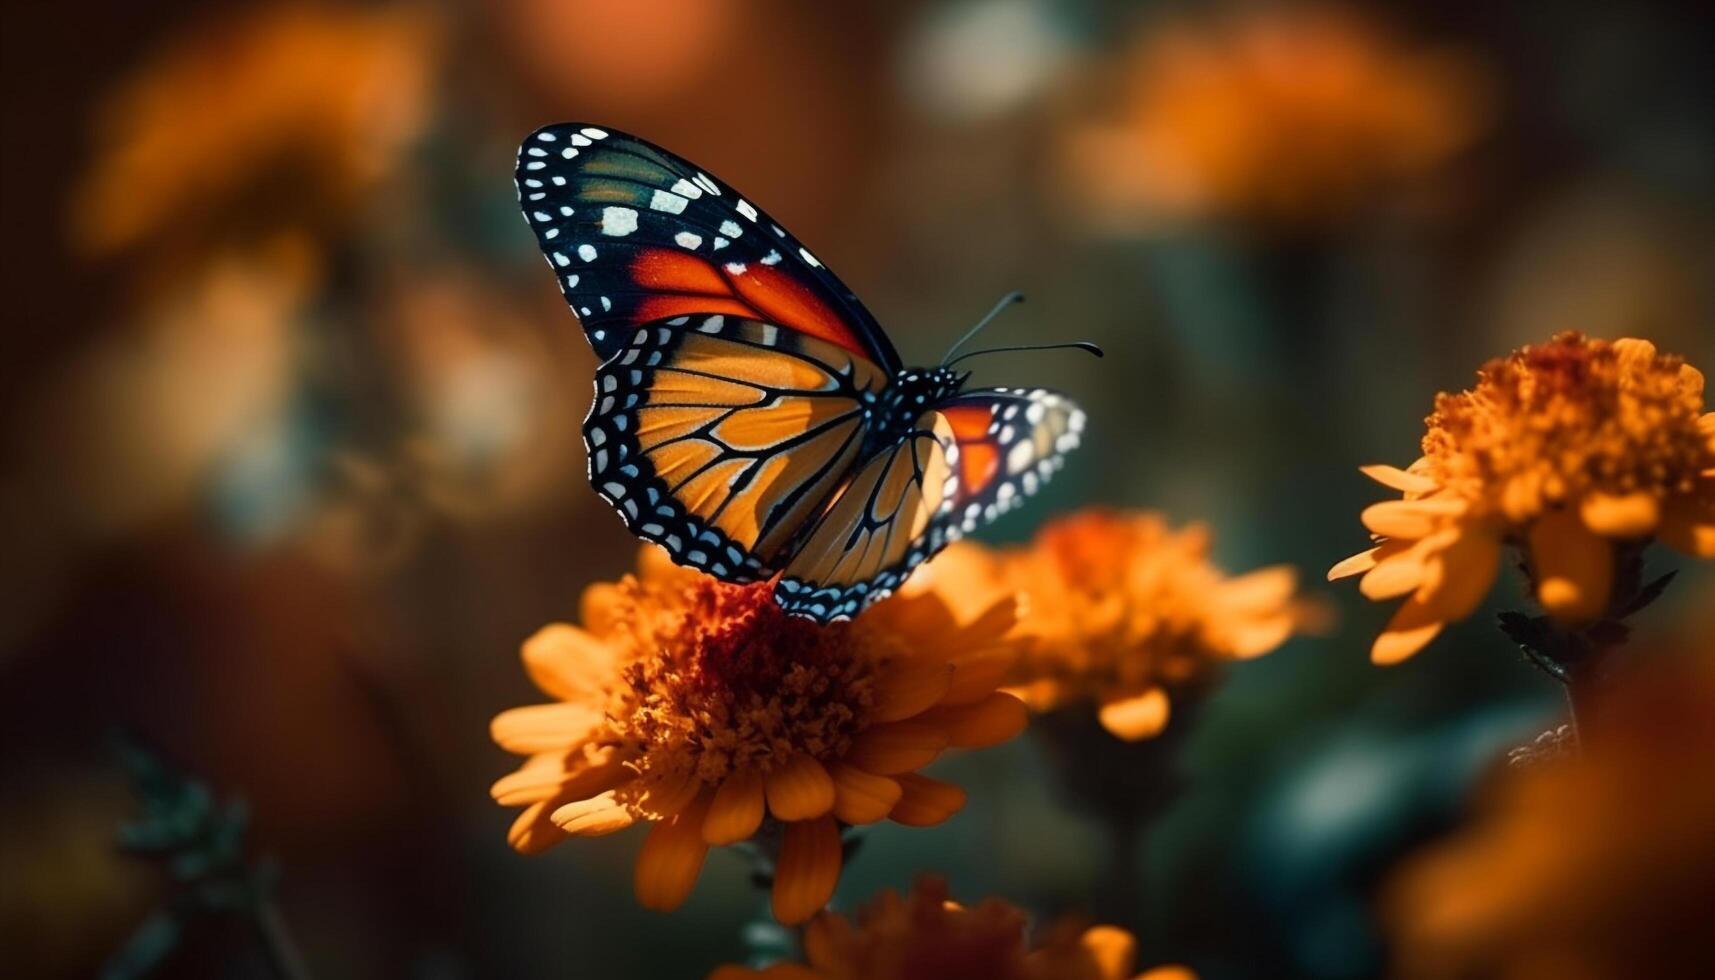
(749, 414)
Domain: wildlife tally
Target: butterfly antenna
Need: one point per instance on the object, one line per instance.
(1005, 301)
(1083, 345)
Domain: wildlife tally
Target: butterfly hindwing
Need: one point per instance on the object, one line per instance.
(722, 438)
(635, 235)
(969, 459)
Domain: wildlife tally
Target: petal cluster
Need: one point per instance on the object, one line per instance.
(1564, 449)
(1122, 609)
(925, 936)
(700, 708)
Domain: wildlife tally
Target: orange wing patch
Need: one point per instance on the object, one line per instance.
(754, 291)
(979, 460)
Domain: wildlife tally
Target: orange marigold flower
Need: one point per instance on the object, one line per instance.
(1564, 449)
(701, 708)
(1284, 115)
(1122, 609)
(925, 936)
(1594, 865)
(257, 124)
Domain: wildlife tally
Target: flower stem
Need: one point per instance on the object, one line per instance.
(284, 958)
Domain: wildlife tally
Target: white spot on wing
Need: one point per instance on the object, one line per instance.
(668, 201)
(586, 252)
(688, 239)
(745, 209)
(618, 222)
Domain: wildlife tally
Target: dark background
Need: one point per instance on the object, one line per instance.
(292, 463)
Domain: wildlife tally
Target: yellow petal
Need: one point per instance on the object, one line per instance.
(736, 810)
(580, 774)
(911, 688)
(671, 859)
(808, 869)
(800, 789)
(1459, 575)
(1396, 575)
(1410, 519)
(1689, 528)
(540, 777)
(593, 817)
(1631, 515)
(862, 797)
(1263, 590)
(566, 662)
(976, 675)
(899, 747)
(1247, 638)
(1363, 561)
(533, 832)
(543, 727)
(663, 796)
(1113, 949)
(1137, 717)
(825, 939)
(1634, 353)
(1395, 478)
(1358, 564)
(1413, 625)
(925, 802)
(1574, 568)
(990, 721)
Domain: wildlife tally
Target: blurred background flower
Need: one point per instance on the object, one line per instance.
(924, 934)
(291, 408)
(1121, 610)
(1273, 114)
(1598, 864)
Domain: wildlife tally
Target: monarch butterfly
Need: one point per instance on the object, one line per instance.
(749, 414)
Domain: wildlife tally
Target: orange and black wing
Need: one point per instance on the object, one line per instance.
(722, 438)
(637, 235)
(967, 461)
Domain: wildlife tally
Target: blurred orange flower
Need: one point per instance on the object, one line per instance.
(1564, 449)
(925, 936)
(1122, 609)
(703, 709)
(276, 120)
(1596, 866)
(1282, 115)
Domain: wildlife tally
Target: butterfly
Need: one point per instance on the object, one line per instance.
(750, 415)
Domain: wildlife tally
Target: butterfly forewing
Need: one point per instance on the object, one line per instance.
(722, 438)
(636, 235)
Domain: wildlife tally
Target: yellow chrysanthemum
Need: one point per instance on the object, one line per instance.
(1590, 866)
(1122, 610)
(1564, 449)
(924, 936)
(701, 708)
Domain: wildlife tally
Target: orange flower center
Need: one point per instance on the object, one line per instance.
(1549, 423)
(739, 684)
